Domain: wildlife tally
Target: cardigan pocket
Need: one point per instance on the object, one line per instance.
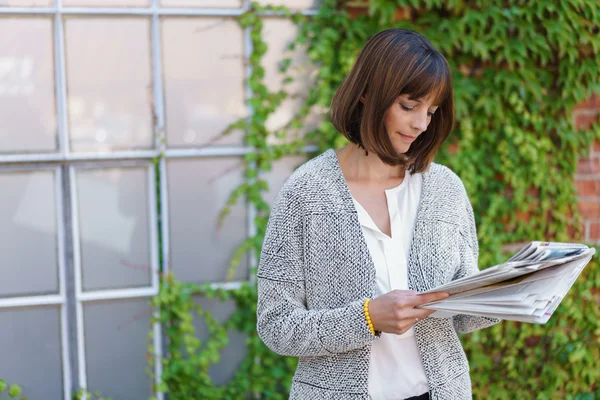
(441, 350)
(343, 372)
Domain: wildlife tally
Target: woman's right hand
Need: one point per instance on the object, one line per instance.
(395, 311)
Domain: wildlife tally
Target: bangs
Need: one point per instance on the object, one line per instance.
(430, 77)
(395, 62)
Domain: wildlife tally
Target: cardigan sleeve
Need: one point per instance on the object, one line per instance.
(469, 250)
(284, 323)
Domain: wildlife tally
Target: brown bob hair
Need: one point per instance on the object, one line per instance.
(395, 62)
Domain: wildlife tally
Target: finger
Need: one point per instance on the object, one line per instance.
(405, 292)
(407, 323)
(423, 312)
(429, 297)
(420, 313)
(404, 326)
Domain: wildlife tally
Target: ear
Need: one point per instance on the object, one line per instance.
(363, 99)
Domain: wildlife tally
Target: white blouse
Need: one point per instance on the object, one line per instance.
(396, 370)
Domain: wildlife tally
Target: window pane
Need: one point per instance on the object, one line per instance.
(278, 34)
(31, 351)
(198, 191)
(281, 171)
(234, 353)
(297, 4)
(113, 224)
(116, 345)
(109, 83)
(106, 3)
(27, 107)
(204, 80)
(202, 3)
(28, 238)
(25, 3)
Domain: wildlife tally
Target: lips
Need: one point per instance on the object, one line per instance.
(407, 138)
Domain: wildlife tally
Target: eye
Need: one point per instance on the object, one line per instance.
(406, 108)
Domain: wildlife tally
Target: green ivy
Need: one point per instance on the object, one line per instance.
(519, 67)
(14, 391)
(81, 394)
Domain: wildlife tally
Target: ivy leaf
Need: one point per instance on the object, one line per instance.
(15, 391)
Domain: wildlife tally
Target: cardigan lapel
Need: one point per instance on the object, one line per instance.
(416, 277)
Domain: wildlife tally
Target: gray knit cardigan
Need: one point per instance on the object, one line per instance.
(315, 272)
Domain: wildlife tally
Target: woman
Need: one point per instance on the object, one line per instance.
(354, 234)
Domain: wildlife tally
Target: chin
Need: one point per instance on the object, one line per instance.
(401, 148)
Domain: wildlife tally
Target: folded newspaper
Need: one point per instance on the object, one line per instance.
(527, 288)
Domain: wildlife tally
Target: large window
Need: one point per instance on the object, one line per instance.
(91, 91)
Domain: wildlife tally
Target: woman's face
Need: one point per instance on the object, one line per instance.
(406, 119)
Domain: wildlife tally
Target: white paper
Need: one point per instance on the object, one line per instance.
(527, 288)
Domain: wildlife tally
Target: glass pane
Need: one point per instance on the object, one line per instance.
(113, 227)
(25, 3)
(204, 80)
(278, 34)
(234, 353)
(198, 191)
(31, 351)
(281, 171)
(28, 238)
(109, 84)
(295, 4)
(202, 3)
(27, 107)
(116, 345)
(106, 3)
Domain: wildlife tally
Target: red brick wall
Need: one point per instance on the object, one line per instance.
(587, 178)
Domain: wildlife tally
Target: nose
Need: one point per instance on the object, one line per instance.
(420, 121)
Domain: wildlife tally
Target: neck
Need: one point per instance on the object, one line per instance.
(367, 168)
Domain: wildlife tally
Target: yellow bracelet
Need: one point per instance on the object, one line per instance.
(368, 317)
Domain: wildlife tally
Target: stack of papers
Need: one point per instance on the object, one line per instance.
(527, 288)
